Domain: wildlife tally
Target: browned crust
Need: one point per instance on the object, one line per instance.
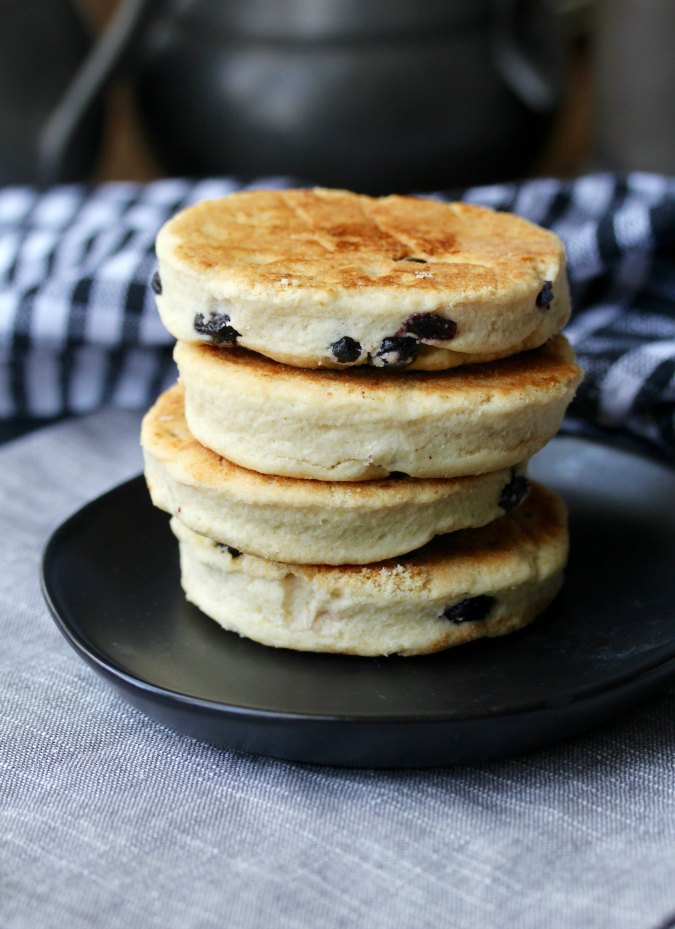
(538, 521)
(348, 241)
(540, 369)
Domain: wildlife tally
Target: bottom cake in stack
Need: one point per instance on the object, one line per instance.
(461, 586)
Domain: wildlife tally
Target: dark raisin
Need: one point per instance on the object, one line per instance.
(233, 551)
(216, 327)
(431, 326)
(514, 492)
(156, 283)
(396, 351)
(419, 261)
(470, 610)
(545, 296)
(346, 349)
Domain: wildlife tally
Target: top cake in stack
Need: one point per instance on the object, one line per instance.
(325, 278)
(316, 334)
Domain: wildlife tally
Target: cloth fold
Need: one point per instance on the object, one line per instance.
(79, 330)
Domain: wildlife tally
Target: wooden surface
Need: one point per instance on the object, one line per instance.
(124, 153)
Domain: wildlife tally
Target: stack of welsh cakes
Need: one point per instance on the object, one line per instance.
(362, 383)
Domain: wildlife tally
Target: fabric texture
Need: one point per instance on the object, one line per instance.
(78, 327)
(110, 821)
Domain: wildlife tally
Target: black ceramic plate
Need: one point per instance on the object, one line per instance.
(110, 576)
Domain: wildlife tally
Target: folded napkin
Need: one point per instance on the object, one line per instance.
(79, 330)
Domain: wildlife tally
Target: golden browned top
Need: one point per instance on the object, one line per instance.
(336, 239)
(543, 369)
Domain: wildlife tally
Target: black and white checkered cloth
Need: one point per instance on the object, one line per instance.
(78, 326)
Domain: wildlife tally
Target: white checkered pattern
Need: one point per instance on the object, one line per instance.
(79, 330)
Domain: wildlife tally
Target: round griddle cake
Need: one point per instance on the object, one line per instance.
(461, 586)
(304, 521)
(325, 278)
(362, 423)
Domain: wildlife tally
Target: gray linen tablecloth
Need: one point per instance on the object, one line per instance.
(109, 820)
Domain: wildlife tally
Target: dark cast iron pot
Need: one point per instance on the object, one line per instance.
(374, 95)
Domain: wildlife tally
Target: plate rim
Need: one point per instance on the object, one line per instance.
(105, 665)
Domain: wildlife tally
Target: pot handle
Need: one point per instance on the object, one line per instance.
(107, 58)
(529, 52)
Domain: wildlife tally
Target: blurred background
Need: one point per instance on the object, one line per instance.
(376, 95)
